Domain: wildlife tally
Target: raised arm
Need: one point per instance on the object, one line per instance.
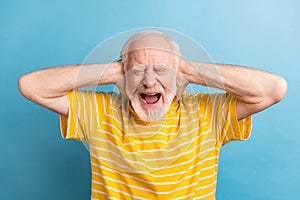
(255, 90)
(49, 87)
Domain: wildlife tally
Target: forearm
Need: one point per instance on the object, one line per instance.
(56, 82)
(249, 85)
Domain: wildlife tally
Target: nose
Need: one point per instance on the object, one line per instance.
(149, 79)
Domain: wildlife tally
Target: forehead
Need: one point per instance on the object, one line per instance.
(151, 56)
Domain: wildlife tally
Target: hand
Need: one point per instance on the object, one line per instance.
(120, 79)
(181, 81)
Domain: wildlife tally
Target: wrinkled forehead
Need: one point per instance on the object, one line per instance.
(150, 56)
(150, 49)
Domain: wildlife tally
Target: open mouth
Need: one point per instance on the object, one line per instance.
(152, 98)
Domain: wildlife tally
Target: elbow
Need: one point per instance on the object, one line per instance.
(280, 89)
(24, 85)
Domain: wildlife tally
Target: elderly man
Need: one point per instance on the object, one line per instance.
(153, 140)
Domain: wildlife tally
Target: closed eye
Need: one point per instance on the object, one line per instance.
(138, 70)
(161, 69)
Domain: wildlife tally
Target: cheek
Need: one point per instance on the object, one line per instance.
(133, 82)
(168, 80)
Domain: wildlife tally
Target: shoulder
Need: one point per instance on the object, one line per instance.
(207, 101)
(193, 97)
(83, 95)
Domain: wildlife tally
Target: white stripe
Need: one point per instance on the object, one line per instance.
(100, 192)
(118, 131)
(206, 186)
(151, 141)
(116, 190)
(184, 143)
(97, 110)
(153, 159)
(135, 125)
(226, 136)
(137, 162)
(146, 142)
(167, 126)
(213, 114)
(242, 128)
(91, 119)
(136, 142)
(172, 118)
(152, 125)
(164, 175)
(77, 121)
(200, 99)
(229, 119)
(184, 197)
(84, 111)
(126, 184)
(111, 125)
(167, 134)
(193, 104)
(113, 108)
(103, 103)
(69, 119)
(223, 122)
(153, 183)
(157, 183)
(206, 195)
(206, 106)
(141, 134)
(189, 110)
(210, 167)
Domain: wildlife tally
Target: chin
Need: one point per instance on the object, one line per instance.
(154, 112)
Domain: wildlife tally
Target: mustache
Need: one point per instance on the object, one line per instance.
(155, 89)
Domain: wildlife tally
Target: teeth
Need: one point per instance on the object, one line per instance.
(143, 95)
(151, 93)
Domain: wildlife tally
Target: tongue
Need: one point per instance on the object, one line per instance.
(151, 99)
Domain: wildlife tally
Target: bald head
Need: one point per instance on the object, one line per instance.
(150, 39)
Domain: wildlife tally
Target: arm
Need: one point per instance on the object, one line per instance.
(49, 87)
(255, 90)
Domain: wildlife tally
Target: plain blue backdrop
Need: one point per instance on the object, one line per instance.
(36, 163)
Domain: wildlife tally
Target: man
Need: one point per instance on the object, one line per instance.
(154, 141)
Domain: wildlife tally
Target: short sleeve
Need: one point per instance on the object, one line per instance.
(83, 117)
(229, 127)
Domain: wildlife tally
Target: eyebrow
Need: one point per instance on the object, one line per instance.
(136, 67)
(160, 66)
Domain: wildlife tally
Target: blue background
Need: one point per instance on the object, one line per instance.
(36, 163)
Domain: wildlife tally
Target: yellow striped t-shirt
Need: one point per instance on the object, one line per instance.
(173, 158)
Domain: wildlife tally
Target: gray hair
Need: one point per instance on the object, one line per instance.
(142, 34)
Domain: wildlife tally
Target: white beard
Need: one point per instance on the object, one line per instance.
(154, 113)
